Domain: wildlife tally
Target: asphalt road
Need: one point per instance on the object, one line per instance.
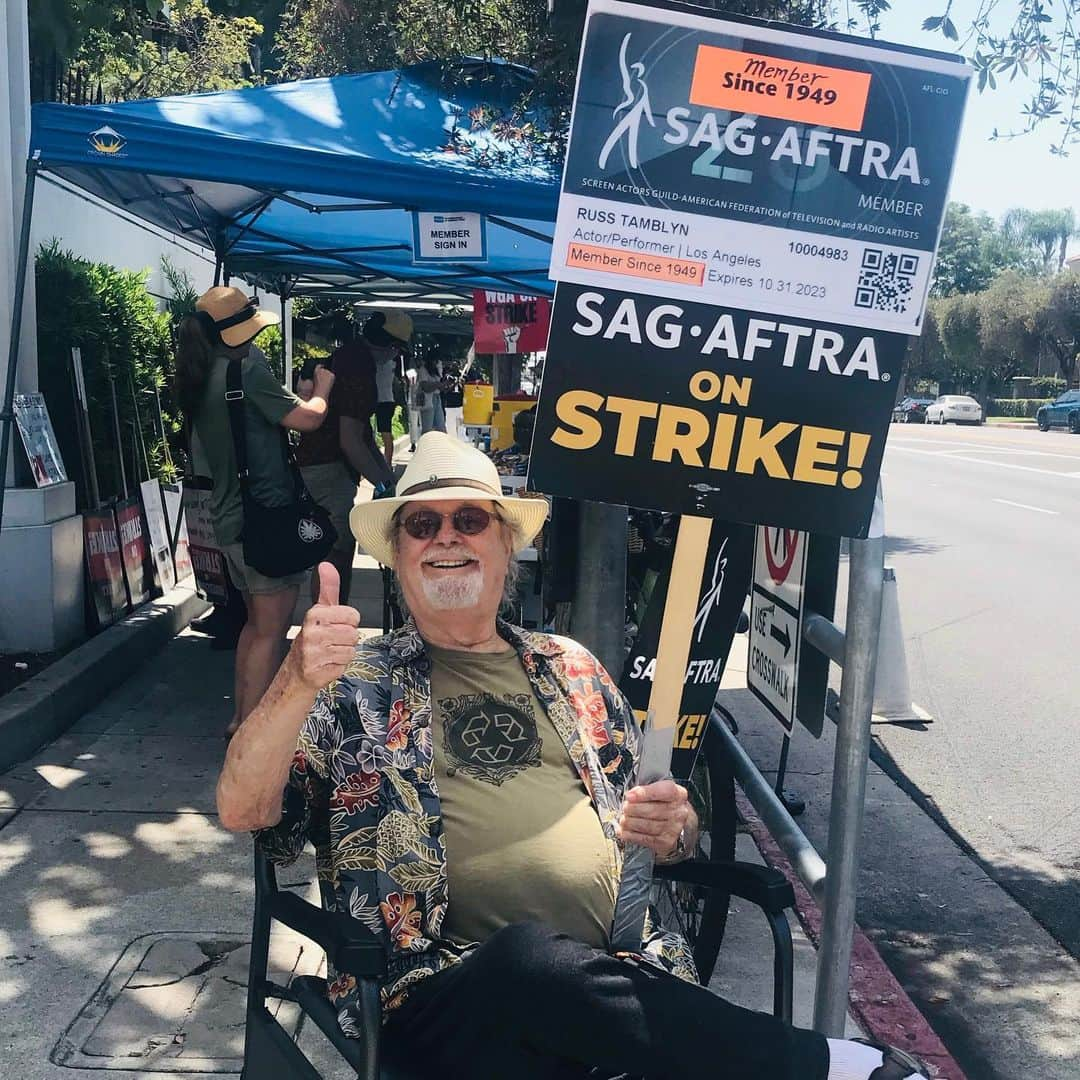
(983, 529)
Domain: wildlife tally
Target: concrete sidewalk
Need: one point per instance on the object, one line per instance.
(125, 907)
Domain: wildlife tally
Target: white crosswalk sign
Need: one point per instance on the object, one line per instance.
(776, 612)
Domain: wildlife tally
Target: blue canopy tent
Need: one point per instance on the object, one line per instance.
(310, 187)
(321, 177)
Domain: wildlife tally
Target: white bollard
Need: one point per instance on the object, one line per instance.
(892, 689)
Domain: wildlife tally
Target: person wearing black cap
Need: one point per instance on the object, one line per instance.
(223, 328)
(334, 458)
(387, 334)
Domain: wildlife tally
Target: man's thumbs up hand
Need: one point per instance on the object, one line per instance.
(329, 585)
(327, 639)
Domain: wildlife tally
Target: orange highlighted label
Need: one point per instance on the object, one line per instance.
(633, 264)
(786, 89)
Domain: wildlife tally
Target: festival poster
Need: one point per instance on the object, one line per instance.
(157, 532)
(505, 322)
(134, 551)
(39, 439)
(207, 560)
(104, 566)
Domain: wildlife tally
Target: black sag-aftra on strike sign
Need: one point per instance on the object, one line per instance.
(724, 585)
(713, 412)
(746, 230)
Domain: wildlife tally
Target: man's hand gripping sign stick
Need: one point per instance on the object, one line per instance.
(662, 721)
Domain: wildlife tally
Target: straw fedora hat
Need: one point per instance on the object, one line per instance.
(444, 469)
(237, 317)
(390, 327)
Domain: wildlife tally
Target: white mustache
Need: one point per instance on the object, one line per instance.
(450, 555)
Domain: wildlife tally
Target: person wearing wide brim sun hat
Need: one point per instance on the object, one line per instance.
(237, 318)
(488, 775)
(223, 329)
(444, 469)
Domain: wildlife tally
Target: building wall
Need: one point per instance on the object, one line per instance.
(87, 228)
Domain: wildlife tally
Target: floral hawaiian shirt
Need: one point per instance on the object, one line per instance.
(362, 790)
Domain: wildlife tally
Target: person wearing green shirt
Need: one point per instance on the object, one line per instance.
(223, 328)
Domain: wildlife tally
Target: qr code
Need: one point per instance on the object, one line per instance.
(886, 281)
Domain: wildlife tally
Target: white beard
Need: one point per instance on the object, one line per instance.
(453, 593)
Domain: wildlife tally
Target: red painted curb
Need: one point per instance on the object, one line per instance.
(877, 1001)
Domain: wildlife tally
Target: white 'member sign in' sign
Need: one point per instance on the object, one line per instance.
(449, 237)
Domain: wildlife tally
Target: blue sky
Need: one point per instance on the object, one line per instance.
(993, 176)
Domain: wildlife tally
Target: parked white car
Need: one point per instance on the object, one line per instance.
(954, 409)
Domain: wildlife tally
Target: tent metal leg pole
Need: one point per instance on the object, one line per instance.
(285, 381)
(865, 587)
(217, 271)
(599, 614)
(7, 416)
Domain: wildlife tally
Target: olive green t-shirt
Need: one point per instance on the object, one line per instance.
(266, 402)
(523, 841)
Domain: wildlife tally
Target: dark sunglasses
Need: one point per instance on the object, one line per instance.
(467, 520)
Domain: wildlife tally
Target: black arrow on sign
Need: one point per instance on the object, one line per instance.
(782, 636)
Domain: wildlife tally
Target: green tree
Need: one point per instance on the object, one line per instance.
(1031, 40)
(973, 251)
(926, 357)
(1008, 336)
(143, 48)
(1034, 41)
(1057, 322)
(1047, 232)
(959, 329)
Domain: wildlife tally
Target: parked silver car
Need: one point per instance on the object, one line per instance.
(954, 409)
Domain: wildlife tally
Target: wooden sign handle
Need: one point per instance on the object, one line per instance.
(677, 629)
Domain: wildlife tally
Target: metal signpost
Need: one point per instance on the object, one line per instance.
(745, 238)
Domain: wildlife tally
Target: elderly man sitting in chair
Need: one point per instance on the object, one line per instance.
(467, 786)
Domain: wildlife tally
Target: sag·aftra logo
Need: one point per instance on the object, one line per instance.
(634, 107)
(730, 91)
(107, 141)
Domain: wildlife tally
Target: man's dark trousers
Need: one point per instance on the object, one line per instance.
(531, 1004)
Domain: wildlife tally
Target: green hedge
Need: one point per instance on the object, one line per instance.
(1048, 386)
(109, 315)
(1020, 408)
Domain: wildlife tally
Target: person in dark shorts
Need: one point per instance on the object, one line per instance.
(334, 458)
(453, 398)
(387, 334)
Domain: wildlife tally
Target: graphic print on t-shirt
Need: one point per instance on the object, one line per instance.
(490, 738)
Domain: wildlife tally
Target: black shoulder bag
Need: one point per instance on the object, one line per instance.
(278, 540)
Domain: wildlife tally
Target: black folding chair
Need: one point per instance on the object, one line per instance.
(270, 1052)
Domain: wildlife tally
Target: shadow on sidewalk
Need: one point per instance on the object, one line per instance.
(113, 863)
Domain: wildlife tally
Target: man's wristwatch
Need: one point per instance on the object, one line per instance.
(679, 851)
